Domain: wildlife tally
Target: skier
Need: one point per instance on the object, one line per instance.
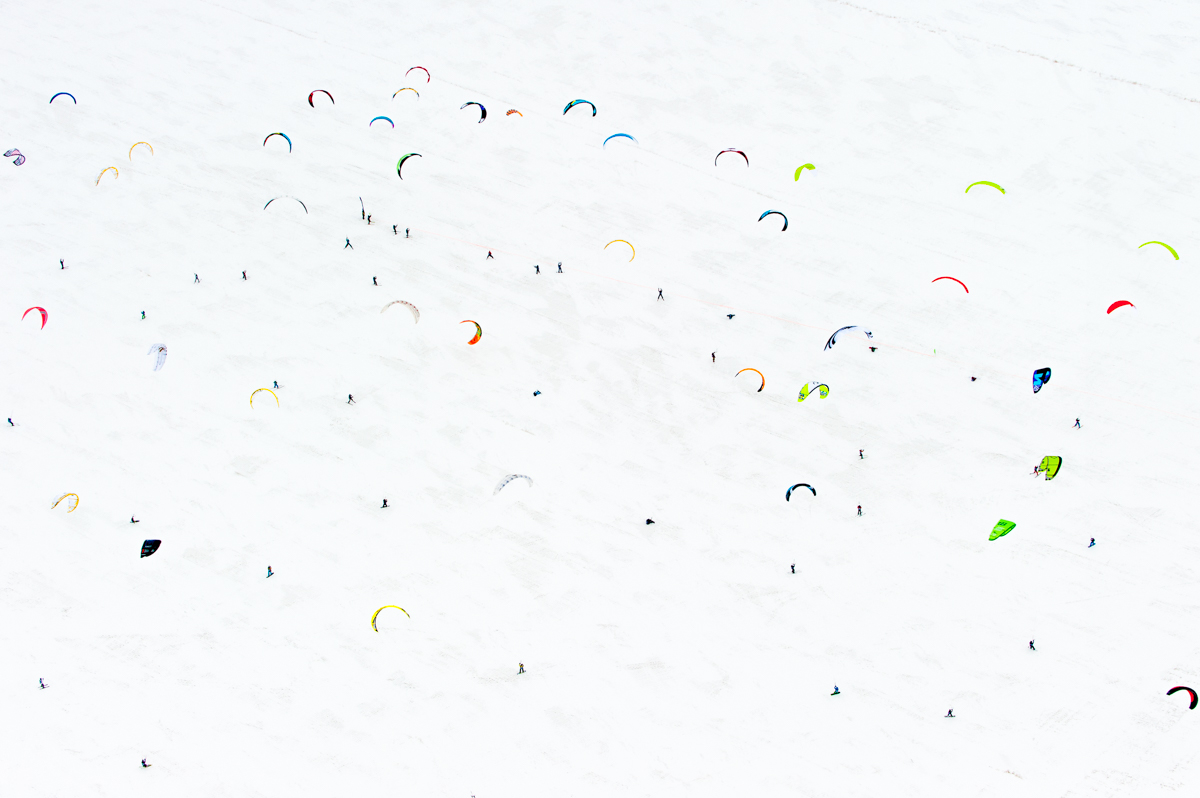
(374, 281)
(950, 713)
(143, 314)
(276, 383)
(860, 510)
(348, 244)
(537, 269)
(351, 401)
(660, 296)
(1093, 543)
(145, 765)
(1031, 648)
(560, 267)
(394, 231)
(860, 456)
(490, 255)
(369, 219)
(384, 504)
(406, 232)
(714, 357)
(10, 422)
(243, 274)
(1077, 424)
(61, 265)
(836, 691)
(793, 567)
(520, 667)
(270, 573)
(197, 276)
(42, 685)
(133, 520)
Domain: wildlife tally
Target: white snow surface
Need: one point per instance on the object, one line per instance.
(679, 658)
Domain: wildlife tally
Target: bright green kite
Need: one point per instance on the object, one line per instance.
(1050, 465)
(1161, 244)
(1001, 529)
(986, 183)
(802, 168)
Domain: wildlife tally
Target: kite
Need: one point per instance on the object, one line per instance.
(760, 374)
(739, 152)
(268, 390)
(574, 103)
(152, 148)
(150, 546)
(482, 110)
(65, 94)
(478, 331)
(407, 88)
(161, 349)
(512, 111)
(116, 172)
(1190, 691)
(802, 168)
(1001, 529)
(45, 316)
(423, 69)
(833, 338)
(327, 94)
(416, 313)
(1050, 465)
(633, 252)
(302, 205)
(1161, 244)
(509, 479)
(73, 505)
(820, 387)
(384, 118)
(788, 496)
(985, 183)
(285, 138)
(1120, 303)
(403, 158)
(955, 279)
(1040, 378)
(768, 213)
(619, 135)
(20, 159)
(381, 609)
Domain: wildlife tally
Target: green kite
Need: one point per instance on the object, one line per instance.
(1050, 465)
(1001, 529)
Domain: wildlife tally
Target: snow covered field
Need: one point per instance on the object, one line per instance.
(679, 658)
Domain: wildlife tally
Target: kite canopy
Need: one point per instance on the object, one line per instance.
(512, 111)
(1001, 529)
(768, 213)
(619, 136)
(632, 251)
(423, 69)
(1040, 378)
(788, 496)
(20, 159)
(574, 103)
(116, 173)
(416, 313)
(150, 546)
(509, 479)
(161, 349)
(955, 279)
(384, 607)
(1161, 244)
(802, 168)
(820, 387)
(403, 158)
(407, 88)
(148, 145)
(482, 110)
(1050, 465)
(45, 316)
(268, 138)
(833, 339)
(1120, 303)
(71, 505)
(478, 331)
(1190, 692)
(739, 152)
(302, 205)
(65, 94)
(268, 390)
(760, 376)
(384, 118)
(319, 91)
(986, 183)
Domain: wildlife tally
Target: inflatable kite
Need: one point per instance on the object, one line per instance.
(1050, 465)
(1161, 244)
(161, 349)
(384, 607)
(574, 103)
(322, 91)
(802, 168)
(416, 313)
(478, 331)
(1001, 529)
(618, 136)
(384, 118)
(760, 376)
(1190, 692)
(403, 158)
(268, 390)
(768, 213)
(1120, 304)
(509, 479)
(423, 69)
(150, 546)
(302, 205)
(45, 316)
(512, 111)
(955, 279)
(407, 88)
(482, 110)
(20, 159)
(1040, 378)
(285, 138)
(71, 506)
(152, 148)
(64, 94)
(820, 387)
(116, 173)
(788, 496)
(739, 152)
(833, 338)
(632, 251)
(986, 183)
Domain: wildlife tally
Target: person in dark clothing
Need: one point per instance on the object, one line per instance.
(384, 504)
(61, 265)
(406, 232)
(490, 255)
(793, 567)
(364, 212)
(10, 422)
(351, 401)
(660, 296)
(560, 267)
(950, 713)
(1031, 648)
(42, 685)
(133, 520)
(860, 454)
(1077, 424)
(348, 244)
(1093, 543)
(860, 509)
(714, 354)
(243, 274)
(520, 667)
(270, 573)
(197, 276)
(730, 316)
(143, 314)
(537, 269)
(374, 281)
(394, 231)
(369, 219)
(145, 765)
(649, 521)
(276, 383)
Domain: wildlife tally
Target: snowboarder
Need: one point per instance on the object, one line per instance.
(1031, 648)
(537, 393)
(1077, 424)
(145, 765)
(1093, 543)
(660, 296)
(143, 314)
(490, 255)
(520, 667)
(860, 510)
(394, 231)
(351, 401)
(537, 269)
(972, 379)
(836, 691)
(270, 573)
(10, 422)
(872, 348)
(243, 274)
(793, 567)
(714, 354)
(406, 232)
(374, 281)
(276, 383)
(133, 520)
(42, 685)
(560, 267)
(197, 276)
(860, 455)
(384, 504)
(950, 713)
(730, 315)
(348, 244)
(649, 521)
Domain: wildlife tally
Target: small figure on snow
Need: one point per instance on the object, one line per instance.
(560, 267)
(1077, 424)
(860, 509)
(270, 573)
(348, 244)
(972, 379)
(143, 314)
(714, 354)
(649, 521)
(276, 383)
(1031, 648)
(537, 393)
(836, 691)
(730, 315)
(793, 567)
(384, 504)
(1093, 543)
(660, 296)
(133, 520)
(490, 255)
(196, 276)
(351, 401)
(364, 213)
(520, 667)
(243, 274)
(394, 231)
(872, 348)
(537, 269)
(860, 454)
(10, 422)
(406, 232)
(950, 713)
(42, 685)
(369, 219)
(61, 265)
(145, 765)
(374, 281)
